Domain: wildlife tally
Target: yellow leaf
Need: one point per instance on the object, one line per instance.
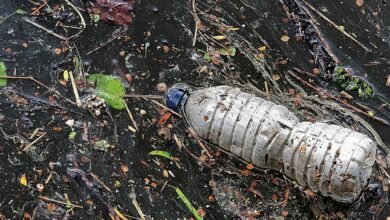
(370, 113)
(23, 180)
(233, 28)
(262, 49)
(219, 37)
(285, 38)
(66, 75)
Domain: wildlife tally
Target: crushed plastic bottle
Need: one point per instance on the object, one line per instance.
(330, 159)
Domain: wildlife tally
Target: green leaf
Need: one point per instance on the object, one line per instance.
(206, 56)
(95, 17)
(101, 145)
(72, 135)
(109, 88)
(188, 204)
(3, 73)
(20, 11)
(161, 154)
(231, 51)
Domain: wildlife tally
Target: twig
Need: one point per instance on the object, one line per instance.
(166, 108)
(197, 138)
(266, 88)
(143, 96)
(337, 27)
(111, 39)
(319, 90)
(178, 141)
(60, 202)
(75, 91)
(138, 208)
(33, 142)
(101, 182)
(81, 19)
(197, 21)
(44, 29)
(39, 83)
(39, 8)
(130, 115)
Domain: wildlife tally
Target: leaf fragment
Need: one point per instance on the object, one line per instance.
(161, 153)
(109, 88)
(3, 73)
(285, 38)
(231, 51)
(219, 37)
(187, 202)
(23, 180)
(359, 2)
(262, 49)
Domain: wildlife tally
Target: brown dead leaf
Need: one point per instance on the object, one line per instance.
(57, 128)
(129, 77)
(201, 212)
(275, 77)
(164, 119)
(51, 207)
(310, 193)
(57, 51)
(165, 49)
(113, 11)
(359, 2)
(245, 172)
(249, 166)
(124, 168)
(316, 71)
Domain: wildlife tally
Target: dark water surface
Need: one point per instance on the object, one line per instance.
(219, 188)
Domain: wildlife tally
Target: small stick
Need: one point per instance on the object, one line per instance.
(266, 88)
(199, 141)
(197, 21)
(39, 8)
(337, 26)
(143, 96)
(166, 108)
(101, 182)
(75, 91)
(44, 29)
(130, 115)
(81, 19)
(39, 83)
(60, 202)
(69, 203)
(138, 208)
(49, 177)
(33, 142)
(178, 142)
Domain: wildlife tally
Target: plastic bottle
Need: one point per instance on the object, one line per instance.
(330, 159)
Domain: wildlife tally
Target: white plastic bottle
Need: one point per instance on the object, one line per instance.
(330, 159)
